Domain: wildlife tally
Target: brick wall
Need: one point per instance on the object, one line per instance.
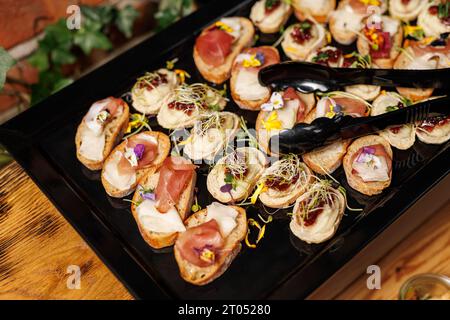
(20, 20)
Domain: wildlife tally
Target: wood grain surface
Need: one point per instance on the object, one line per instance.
(37, 245)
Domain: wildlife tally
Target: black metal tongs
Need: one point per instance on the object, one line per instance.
(308, 78)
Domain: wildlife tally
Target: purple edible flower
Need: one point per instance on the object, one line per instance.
(368, 150)
(260, 57)
(337, 108)
(139, 151)
(226, 188)
(148, 196)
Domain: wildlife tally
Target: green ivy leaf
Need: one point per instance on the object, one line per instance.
(61, 56)
(6, 62)
(125, 20)
(96, 17)
(49, 82)
(39, 60)
(56, 35)
(88, 40)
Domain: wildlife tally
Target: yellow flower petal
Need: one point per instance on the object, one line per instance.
(261, 187)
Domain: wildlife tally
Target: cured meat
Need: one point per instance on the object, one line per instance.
(420, 50)
(379, 151)
(348, 106)
(214, 46)
(269, 57)
(174, 175)
(146, 151)
(289, 95)
(196, 241)
(359, 6)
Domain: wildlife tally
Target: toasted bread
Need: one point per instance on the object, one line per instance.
(219, 75)
(320, 12)
(384, 63)
(244, 187)
(201, 276)
(406, 12)
(367, 188)
(438, 135)
(113, 134)
(365, 91)
(163, 151)
(301, 52)
(239, 100)
(261, 21)
(274, 198)
(160, 240)
(327, 159)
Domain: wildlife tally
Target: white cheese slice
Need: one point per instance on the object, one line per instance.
(248, 86)
(224, 215)
(112, 175)
(91, 117)
(152, 220)
(373, 168)
(92, 145)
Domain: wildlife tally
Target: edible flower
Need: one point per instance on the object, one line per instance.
(207, 255)
(261, 188)
(253, 60)
(272, 122)
(415, 32)
(261, 231)
(131, 156)
(334, 109)
(371, 2)
(182, 75)
(276, 102)
(196, 207)
(137, 121)
(139, 150)
(102, 116)
(171, 64)
(223, 26)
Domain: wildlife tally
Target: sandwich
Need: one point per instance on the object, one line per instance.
(434, 18)
(381, 38)
(318, 213)
(210, 243)
(187, 103)
(219, 44)
(151, 90)
(211, 135)
(406, 10)
(100, 130)
(163, 200)
(435, 130)
(401, 137)
(235, 175)
(327, 159)
(131, 160)
(270, 16)
(283, 111)
(318, 9)
(246, 90)
(303, 38)
(421, 56)
(284, 181)
(347, 21)
(368, 165)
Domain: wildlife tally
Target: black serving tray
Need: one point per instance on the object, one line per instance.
(42, 141)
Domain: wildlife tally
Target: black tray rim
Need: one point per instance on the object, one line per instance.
(19, 134)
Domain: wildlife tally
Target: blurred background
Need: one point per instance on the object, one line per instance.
(40, 55)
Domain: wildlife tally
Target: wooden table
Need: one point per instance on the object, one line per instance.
(37, 245)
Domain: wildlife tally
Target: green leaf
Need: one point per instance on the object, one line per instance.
(165, 18)
(49, 82)
(125, 20)
(88, 40)
(56, 36)
(62, 56)
(96, 17)
(61, 83)
(6, 62)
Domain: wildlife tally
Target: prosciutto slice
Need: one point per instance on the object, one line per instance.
(214, 46)
(270, 57)
(350, 106)
(149, 153)
(291, 95)
(194, 241)
(379, 151)
(174, 175)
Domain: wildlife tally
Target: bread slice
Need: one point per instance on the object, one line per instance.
(160, 240)
(113, 134)
(320, 12)
(219, 75)
(367, 188)
(327, 159)
(215, 179)
(274, 198)
(163, 152)
(201, 276)
(439, 134)
(384, 63)
(258, 11)
(240, 101)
